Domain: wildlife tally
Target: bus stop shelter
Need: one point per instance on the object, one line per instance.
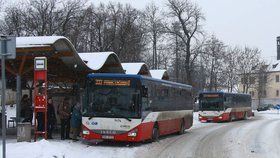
(67, 69)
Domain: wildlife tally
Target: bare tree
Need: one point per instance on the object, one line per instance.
(213, 60)
(189, 17)
(248, 62)
(13, 22)
(154, 27)
(230, 68)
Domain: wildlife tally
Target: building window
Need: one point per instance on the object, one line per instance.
(277, 93)
(277, 78)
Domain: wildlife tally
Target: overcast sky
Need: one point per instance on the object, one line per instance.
(255, 23)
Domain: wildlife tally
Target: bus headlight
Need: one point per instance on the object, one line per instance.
(86, 132)
(133, 133)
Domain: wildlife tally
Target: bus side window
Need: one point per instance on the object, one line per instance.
(145, 99)
(145, 91)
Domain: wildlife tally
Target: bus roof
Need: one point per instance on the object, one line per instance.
(216, 92)
(173, 84)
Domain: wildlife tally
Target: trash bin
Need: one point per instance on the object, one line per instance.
(24, 132)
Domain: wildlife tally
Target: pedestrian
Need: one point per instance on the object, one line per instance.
(76, 121)
(65, 114)
(26, 111)
(51, 118)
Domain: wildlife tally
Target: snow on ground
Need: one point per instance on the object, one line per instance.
(69, 149)
(195, 119)
(65, 149)
(269, 114)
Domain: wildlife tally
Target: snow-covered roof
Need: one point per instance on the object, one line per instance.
(136, 68)
(159, 74)
(274, 66)
(37, 41)
(96, 60)
(62, 47)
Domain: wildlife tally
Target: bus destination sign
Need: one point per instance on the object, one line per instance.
(106, 82)
(211, 95)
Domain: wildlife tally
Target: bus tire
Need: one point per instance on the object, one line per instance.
(182, 127)
(245, 116)
(230, 118)
(155, 134)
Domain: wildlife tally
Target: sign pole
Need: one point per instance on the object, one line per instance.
(3, 80)
(8, 50)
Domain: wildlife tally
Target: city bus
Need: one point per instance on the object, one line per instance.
(221, 106)
(134, 108)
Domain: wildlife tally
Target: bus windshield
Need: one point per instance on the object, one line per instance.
(211, 104)
(113, 101)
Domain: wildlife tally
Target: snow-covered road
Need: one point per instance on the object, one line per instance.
(258, 137)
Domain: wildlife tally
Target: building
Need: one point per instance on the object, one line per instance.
(267, 91)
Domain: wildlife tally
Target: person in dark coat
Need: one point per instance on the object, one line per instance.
(76, 121)
(65, 114)
(26, 111)
(51, 118)
(40, 121)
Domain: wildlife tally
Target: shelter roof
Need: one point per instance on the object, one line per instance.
(160, 74)
(64, 62)
(136, 68)
(96, 61)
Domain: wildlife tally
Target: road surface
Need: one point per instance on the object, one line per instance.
(258, 137)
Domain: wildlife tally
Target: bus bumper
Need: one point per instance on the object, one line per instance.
(211, 119)
(134, 135)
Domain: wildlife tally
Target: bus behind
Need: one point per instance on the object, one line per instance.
(221, 106)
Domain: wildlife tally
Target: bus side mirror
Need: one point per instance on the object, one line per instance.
(144, 91)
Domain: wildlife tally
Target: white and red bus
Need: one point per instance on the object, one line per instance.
(221, 106)
(134, 108)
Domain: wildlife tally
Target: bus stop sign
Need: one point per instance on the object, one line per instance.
(8, 46)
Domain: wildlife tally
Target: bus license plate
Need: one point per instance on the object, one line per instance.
(107, 137)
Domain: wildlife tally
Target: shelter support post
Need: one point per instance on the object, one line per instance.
(18, 97)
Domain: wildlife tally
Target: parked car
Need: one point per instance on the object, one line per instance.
(264, 107)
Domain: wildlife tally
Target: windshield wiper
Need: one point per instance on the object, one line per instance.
(92, 115)
(122, 116)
